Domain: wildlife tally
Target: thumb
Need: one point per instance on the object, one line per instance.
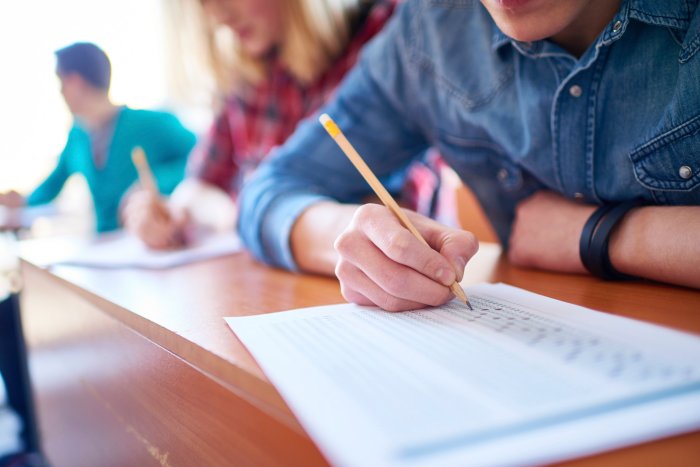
(456, 245)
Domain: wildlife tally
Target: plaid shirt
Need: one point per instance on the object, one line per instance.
(250, 126)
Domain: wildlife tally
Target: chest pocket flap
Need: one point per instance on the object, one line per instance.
(671, 161)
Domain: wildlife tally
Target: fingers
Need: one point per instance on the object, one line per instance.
(398, 282)
(449, 248)
(457, 246)
(149, 219)
(399, 245)
(358, 288)
(383, 263)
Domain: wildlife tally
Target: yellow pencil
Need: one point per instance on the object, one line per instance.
(138, 157)
(379, 189)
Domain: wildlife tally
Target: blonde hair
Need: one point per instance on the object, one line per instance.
(315, 33)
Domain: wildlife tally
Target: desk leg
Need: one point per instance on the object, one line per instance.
(13, 365)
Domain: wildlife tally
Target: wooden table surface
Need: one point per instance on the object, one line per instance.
(174, 319)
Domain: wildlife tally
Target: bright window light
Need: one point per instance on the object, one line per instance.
(34, 121)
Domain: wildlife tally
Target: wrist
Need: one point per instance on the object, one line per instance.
(314, 232)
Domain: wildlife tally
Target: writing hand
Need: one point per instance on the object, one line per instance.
(381, 263)
(151, 220)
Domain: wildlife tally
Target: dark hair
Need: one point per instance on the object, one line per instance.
(88, 61)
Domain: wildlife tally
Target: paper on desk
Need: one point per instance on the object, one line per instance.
(121, 249)
(522, 379)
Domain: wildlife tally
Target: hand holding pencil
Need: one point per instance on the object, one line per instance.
(393, 258)
(147, 215)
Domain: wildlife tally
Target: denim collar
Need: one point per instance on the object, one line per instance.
(672, 13)
(675, 14)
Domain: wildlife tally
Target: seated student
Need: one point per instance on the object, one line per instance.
(288, 58)
(546, 109)
(102, 137)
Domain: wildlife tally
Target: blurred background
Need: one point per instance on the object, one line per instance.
(34, 121)
(138, 36)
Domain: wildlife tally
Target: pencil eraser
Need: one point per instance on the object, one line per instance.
(329, 125)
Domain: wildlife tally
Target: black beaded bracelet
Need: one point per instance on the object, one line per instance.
(595, 239)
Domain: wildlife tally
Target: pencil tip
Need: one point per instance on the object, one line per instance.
(469, 305)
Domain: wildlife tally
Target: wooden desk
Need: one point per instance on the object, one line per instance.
(140, 368)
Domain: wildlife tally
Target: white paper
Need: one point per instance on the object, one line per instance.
(522, 379)
(121, 249)
(23, 218)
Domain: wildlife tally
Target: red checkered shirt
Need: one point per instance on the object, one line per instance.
(249, 127)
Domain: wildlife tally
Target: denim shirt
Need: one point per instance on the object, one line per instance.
(618, 123)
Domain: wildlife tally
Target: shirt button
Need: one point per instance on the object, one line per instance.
(617, 26)
(685, 172)
(578, 195)
(575, 90)
(502, 175)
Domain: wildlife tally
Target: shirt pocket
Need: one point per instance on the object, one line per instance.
(669, 164)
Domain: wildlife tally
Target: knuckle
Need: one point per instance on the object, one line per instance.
(342, 271)
(343, 244)
(390, 303)
(356, 297)
(392, 283)
(365, 213)
(398, 245)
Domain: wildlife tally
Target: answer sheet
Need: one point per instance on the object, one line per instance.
(521, 379)
(121, 250)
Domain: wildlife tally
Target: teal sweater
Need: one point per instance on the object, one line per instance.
(166, 143)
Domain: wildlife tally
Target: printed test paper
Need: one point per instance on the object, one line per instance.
(520, 379)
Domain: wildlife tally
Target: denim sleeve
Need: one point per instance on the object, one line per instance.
(371, 109)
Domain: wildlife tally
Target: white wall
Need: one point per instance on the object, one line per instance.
(33, 118)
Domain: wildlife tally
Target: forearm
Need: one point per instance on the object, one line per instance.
(314, 234)
(49, 189)
(660, 243)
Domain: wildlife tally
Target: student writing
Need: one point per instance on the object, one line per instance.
(102, 136)
(286, 58)
(546, 109)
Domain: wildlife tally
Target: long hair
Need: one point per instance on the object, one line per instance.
(315, 33)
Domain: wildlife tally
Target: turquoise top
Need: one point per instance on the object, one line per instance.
(166, 142)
